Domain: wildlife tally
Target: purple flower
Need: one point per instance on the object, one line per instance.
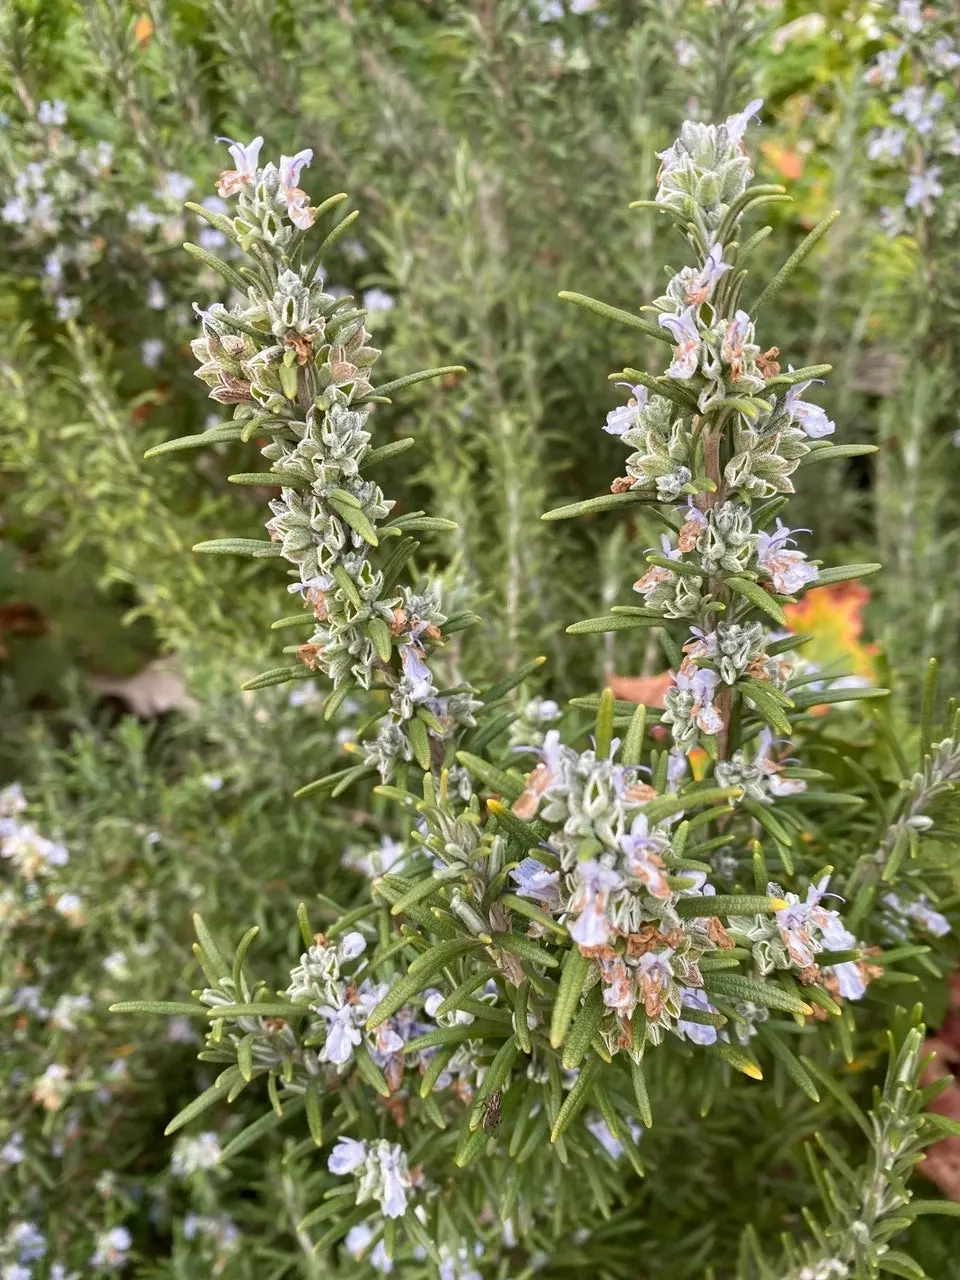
(885, 70)
(737, 334)
(887, 145)
(918, 109)
(292, 166)
(643, 849)
(245, 158)
(700, 286)
(701, 684)
(694, 998)
(736, 125)
(788, 570)
(416, 671)
(910, 16)
(686, 357)
(343, 1035)
(924, 188)
(396, 1179)
(628, 415)
(298, 202)
(537, 882)
(594, 886)
(54, 112)
(347, 1156)
(850, 981)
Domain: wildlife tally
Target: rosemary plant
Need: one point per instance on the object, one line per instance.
(518, 968)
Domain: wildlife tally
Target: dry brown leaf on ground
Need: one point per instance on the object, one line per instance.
(942, 1164)
(157, 688)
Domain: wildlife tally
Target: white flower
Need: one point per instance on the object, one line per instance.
(194, 1154)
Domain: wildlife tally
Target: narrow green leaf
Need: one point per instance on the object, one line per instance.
(258, 547)
(632, 749)
(761, 599)
(379, 633)
(259, 1129)
(585, 1025)
(576, 1098)
(603, 731)
(791, 1063)
(823, 697)
(831, 452)
(576, 966)
(611, 622)
(409, 379)
(519, 944)
(506, 784)
(356, 519)
(369, 1072)
(278, 675)
(641, 1094)
(223, 269)
(606, 502)
(732, 904)
(259, 1009)
(739, 1059)
(163, 1007)
(420, 742)
(386, 451)
(294, 620)
(845, 573)
(216, 435)
(621, 317)
(794, 261)
(218, 1090)
(767, 994)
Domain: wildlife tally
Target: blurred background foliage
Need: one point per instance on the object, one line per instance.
(492, 148)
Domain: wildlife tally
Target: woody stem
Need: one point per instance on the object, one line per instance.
(711, 453)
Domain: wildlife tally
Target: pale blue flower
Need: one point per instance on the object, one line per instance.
(683, 328)
(378, 300)
(736, 125)
(788, 569)
(811, 418)
(537, 882)
(232, 181)
(924, 188)
(695, 998)
(54, 113)
(151, 351)
(343, 1035)
(626, 417)
(347, 1156)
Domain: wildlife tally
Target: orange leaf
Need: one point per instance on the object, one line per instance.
(788, 163)
(646, 689)
(143, 30)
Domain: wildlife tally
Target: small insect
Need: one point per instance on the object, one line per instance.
(491, 1113)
